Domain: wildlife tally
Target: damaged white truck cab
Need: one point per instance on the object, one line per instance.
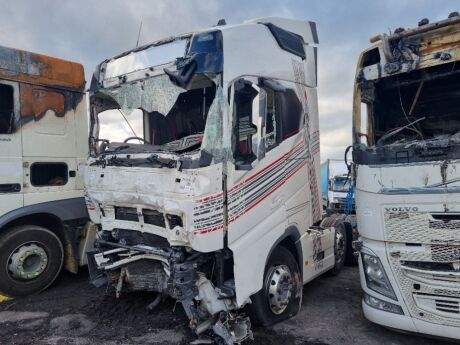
(215, 204)
(406, 170)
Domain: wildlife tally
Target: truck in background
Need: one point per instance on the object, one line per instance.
(406, 168)
(218, 204)
(44, 144)
(335, 186)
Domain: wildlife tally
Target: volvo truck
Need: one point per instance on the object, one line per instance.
(406, 162)
(43, 149)
(216, 202)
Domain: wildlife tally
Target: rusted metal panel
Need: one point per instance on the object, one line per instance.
(36, 101)
(20, 65)
(444, 40)
(431, 44)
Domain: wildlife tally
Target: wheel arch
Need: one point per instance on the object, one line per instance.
(290, 240)
(56, 226)
(60, 217)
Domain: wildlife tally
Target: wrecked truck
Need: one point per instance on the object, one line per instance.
(218, 203)
(43, 149)
(406, 152)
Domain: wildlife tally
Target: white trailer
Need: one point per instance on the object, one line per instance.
(406, 170)
(43, 147)
(217, 206)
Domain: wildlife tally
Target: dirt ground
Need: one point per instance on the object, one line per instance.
(72, 312)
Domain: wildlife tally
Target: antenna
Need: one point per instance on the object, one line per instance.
(139, 35)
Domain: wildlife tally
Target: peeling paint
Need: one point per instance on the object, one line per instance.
(20, 65)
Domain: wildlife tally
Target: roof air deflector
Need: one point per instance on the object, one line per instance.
(287, 40)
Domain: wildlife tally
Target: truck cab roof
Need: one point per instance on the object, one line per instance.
(33, 68)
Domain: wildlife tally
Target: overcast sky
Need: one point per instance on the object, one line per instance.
(90, 31)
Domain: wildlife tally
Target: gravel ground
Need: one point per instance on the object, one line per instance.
(72, 312)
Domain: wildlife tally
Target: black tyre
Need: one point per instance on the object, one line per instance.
(31, 258)
(351, 259)
(340, 247)
(331, 219)
(281, 294)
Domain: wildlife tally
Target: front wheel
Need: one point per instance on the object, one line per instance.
(31, 258)
(281, 294)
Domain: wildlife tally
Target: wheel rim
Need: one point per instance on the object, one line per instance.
(27, 262)
(339, 246)
(279, 288)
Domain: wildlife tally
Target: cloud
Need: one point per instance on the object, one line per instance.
(90, 31)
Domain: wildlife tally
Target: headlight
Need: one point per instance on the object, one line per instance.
(382, 305)
(376, 278)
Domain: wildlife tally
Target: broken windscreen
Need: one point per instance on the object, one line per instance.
(412, 116)
(173, 119)
(142, 59)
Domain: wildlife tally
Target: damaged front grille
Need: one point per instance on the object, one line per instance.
(424, 252)
(132, 238)
(421, 227)
(153, 217)
(141, 216)
(126, 213)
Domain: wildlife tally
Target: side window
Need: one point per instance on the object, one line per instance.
(48, 174)
(244, 127)
(272, 124)
(291, 113)
(284, 114)
(6, 109)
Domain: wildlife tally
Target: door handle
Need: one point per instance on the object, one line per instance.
(10, 187)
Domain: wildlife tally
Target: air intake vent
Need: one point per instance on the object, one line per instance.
(153, 217)
(447, 306)
(126, 213)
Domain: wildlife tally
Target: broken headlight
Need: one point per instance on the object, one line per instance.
(376, 278)
(174, 220)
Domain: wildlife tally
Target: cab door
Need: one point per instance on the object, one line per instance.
(256, 203)
(256, 199)
(49, 145)
(11, 196)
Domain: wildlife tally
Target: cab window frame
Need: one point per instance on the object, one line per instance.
(9, 87)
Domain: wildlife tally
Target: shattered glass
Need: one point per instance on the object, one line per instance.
(217, 135)
(153, 94)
